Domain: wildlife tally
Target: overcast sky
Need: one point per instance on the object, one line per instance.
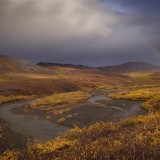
(89, 32)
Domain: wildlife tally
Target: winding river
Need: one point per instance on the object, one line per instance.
(97, 108)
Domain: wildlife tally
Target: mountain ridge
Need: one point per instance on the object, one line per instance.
(131, 67)
(52, 64)
(12, 64)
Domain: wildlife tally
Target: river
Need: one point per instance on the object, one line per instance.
(97, 108)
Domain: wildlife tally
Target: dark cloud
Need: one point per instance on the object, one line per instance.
(92, 32)
(141, 6)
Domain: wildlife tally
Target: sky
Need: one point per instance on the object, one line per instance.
(88, 32)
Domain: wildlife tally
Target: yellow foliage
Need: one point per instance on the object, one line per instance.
(134, 138)
(69, 116)
(153, 103)
(56, 101)
(48, 117)
(61, 120)
(6, 99)
(61, 111)
(11, 155)
(150, 96)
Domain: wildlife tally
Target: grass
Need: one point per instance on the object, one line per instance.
(5, 79)
(135, 138)
(59, 82)
(153, 103)
(61, 111)
(149, 95)
(55, 106)
(56, 102)
(7, 99)
(61, 120)
(135, 94)
(10, 139)
(69, 116)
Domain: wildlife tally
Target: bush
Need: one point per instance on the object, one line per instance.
(7, 99)
(135, 138)
(56, 102)
(153, 103)
(61, 120)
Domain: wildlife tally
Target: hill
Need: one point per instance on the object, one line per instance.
(134, 138)
(130, 67)
(11, 64)
(58, 65)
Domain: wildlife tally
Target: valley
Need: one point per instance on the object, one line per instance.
(56, 109)
(79, 79)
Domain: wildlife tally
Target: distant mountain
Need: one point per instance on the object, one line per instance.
(11, 64)
(130, 67)
(55, 65)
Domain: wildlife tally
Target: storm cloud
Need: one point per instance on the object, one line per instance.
(90, 32)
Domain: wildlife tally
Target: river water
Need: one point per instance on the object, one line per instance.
(97, 108)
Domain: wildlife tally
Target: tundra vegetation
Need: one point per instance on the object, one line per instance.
(56, 105)
(134, 138)
(56, 101)
(7, 99)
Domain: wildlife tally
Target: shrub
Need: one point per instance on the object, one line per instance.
(153, 103)
(61, 120)
(6, 99)
(135, 138)
(56, 102)
(69, 116)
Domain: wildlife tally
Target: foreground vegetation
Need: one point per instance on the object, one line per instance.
(7, 99)
(54, 107)
(135, 138)
(60, 100)
(10, 139)
(149, 95)
(153, 103)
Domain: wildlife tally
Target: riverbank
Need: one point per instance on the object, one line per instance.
(149, 96)
(29, 125)
(134, 138)
(97, 108)
(131, 138)
(11, 139)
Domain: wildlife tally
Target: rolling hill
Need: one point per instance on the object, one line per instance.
(58, 65)
(70, 69)
(130, 67)
(11, 64)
